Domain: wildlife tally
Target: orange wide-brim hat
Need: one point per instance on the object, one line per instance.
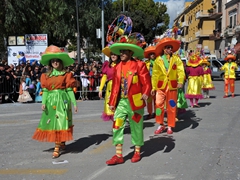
(54, 52)
(205, 61)
(230, 56)
(149, 50)
(167, 41)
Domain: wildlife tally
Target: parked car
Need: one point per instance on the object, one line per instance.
(215, 66)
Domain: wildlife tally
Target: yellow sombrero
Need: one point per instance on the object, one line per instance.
(106, 51)
(194, 60)
(205, 61)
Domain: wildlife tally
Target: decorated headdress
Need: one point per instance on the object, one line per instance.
(129, 43)
(121, 25)
(54, 52)
(194, 60)
(167, 41)
(205, 61)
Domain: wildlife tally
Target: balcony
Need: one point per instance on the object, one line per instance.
(215, 14)
(202, 14)
(237, 29)
(229, 32)
(203, 33)
(184, 24)
(215, 35)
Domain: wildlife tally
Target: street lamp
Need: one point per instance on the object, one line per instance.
(88, 47)
(78, 35)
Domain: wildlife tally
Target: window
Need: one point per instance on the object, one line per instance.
(232, 18)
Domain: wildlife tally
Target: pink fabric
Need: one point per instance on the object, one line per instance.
(208, 71)
(190, 96)
(106, 117)
(194, 71)
(208, 88)
(109, 71)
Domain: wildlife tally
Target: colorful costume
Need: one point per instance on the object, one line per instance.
(131, 82)
(107, 77)
(38, 96)
(24, 95)
(229, 75)
(56, 122)
(149, 52)
(195, 79)
(168, 72)
(207, 79)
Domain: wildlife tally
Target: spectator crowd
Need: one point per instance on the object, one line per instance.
(88, 76)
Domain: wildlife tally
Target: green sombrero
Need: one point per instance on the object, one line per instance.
(127, 43)
(54, 52)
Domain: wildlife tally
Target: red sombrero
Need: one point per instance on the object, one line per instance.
(149, 50)
(167, 41)
(194, 60)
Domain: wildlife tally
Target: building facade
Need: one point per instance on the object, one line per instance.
(213, 25)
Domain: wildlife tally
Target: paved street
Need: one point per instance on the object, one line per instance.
(205, 145)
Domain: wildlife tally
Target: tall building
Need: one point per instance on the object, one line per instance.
(213, 25)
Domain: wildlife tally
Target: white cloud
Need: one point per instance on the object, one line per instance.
(174, 7)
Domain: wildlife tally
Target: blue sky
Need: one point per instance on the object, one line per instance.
(174, 7)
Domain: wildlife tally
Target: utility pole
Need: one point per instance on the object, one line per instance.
(78, 36)
(103, 39)
(123, 6)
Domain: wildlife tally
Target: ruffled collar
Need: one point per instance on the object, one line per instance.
(57, 73)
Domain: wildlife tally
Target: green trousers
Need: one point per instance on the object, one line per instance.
(124, 111)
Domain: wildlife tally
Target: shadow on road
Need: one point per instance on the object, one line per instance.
(188, 119)
(83, 143)
(154, 145)
(203, 104)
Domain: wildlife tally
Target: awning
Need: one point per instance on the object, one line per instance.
(237, 48)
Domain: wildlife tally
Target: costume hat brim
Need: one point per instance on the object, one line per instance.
(230, 56)
(64, 57)
(205, 62)
(106, 51)
(54, 52)
(149, 50)
(137, 51)
(194, 64)
(167, 41)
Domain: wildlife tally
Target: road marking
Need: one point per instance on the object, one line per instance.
(32, 171)
(101, 147)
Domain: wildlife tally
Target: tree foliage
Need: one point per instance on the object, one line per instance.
(57, 18)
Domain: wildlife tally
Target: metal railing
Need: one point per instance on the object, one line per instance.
(9, 87)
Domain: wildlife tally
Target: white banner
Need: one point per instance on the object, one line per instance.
(21, 54)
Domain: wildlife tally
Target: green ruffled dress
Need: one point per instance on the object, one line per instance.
(56, 122)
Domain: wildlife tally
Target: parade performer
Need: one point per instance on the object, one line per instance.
(167, 76)
(108, 71)
(57, 86)
(38, 95)
(24, 95)
(131, 87)
(229, 76)
(150, 54)
(194, 73)
(207, 79)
